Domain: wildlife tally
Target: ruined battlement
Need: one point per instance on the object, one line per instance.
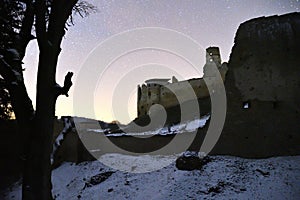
(161, 91)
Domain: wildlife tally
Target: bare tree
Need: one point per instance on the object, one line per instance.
(48, 20)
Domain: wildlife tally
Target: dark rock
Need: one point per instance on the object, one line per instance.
(126, 183)
(214, 189)
(217, 188)
(110, 190)
(191, 161)
(97, 179)
(262, 172)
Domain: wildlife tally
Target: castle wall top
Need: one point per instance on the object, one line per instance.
(213, 55)
(213, 50)
(160, 81)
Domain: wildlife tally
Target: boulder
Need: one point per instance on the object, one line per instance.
(191, 160)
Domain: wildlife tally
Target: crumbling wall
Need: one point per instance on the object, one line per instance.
(264, 72)
(169, 95)
(265, 59)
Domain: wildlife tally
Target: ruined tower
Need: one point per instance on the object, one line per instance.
(156, 91)
(142, 101)
(213, 57)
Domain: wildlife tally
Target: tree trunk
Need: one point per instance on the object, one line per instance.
(36, 129)
(24, 113)
(22, 107)
(41, 142)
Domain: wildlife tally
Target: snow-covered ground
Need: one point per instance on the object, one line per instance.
(186, 127)
(225, 177)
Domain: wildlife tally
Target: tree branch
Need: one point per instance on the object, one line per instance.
(67, 85)
(6, 71)
(60, 12)
(2, 82)
(41, 33)
(25, 36)
(21, 102)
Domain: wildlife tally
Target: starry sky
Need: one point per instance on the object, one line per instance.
(209, 22)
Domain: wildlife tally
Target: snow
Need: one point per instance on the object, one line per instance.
(136, 164)
(225, 177)
(60, 137)
(195, 124)
(193, 153)
(246, 105)
(187, 127)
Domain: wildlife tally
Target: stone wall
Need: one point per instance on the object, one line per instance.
(155, 93)
(264, 71)
(265, 59)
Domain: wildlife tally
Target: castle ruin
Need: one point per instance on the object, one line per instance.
(161, 91)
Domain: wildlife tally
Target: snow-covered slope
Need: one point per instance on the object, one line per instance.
(224, 177)
(186, 127)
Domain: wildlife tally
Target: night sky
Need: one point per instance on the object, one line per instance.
(210, 23)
